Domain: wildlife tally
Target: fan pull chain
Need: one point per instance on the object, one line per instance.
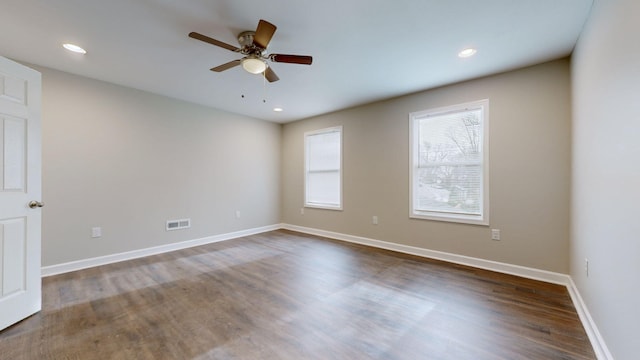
(264, 86)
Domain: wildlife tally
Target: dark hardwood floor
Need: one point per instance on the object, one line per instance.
(284, 295)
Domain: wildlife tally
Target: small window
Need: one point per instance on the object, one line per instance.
(449, 157)
(323, 168)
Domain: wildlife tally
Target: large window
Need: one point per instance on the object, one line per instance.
(449, 157)
(323, 164)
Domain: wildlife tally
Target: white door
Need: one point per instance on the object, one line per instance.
(20, 184)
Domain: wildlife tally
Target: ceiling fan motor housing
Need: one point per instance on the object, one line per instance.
(245, 39)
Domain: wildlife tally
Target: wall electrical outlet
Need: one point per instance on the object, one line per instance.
(374, 220)
(96, 232)
(495, 234)
(237, 214)
(302, 211)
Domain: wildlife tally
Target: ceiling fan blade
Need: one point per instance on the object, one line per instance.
(226, 66)
(271, 75)
(212, 41)
(264, 33)
(291, 59)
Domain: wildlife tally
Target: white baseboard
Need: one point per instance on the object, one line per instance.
(599, 346)
(526, 272)
(129, 255)
(522, 271)
(597, 342)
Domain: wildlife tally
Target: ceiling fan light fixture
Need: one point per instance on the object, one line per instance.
(254, 65)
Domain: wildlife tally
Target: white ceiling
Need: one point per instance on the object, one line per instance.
(363, 50)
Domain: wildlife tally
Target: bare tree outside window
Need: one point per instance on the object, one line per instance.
(448, 158)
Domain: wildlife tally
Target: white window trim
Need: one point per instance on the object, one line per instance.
(482, 219)
(306, 172)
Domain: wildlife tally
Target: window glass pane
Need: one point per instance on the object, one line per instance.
(324, 151)
(450, 138)
(323, 188)
(454, 189)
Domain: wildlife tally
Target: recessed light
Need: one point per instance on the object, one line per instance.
(467, 52)
(74, 48)
(278, 109)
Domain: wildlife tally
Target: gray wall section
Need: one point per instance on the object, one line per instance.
(606, 172)
(127, 161)
(530, 161)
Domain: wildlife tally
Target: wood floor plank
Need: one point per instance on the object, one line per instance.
(285, 295)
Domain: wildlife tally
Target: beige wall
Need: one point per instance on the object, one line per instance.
(606, 172)
(529, 164)
(127, 161)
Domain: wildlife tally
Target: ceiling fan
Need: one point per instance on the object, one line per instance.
(253, 45)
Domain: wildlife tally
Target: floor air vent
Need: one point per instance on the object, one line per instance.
(178, 224)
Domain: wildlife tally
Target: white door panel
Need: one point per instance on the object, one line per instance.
(14, 159)
(14, 244)
(20, 183)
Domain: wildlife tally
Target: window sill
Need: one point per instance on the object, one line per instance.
(323, 207)
(455, 218)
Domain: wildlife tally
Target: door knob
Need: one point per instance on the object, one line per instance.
(34, 204)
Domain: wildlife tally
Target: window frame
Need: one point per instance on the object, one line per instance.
(315, 205)
(414, 132)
